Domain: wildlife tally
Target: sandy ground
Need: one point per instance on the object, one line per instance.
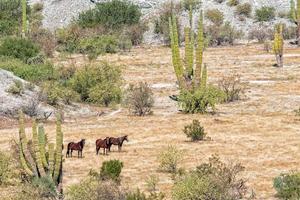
(261, 131)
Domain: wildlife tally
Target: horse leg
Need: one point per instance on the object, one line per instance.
(71, 152)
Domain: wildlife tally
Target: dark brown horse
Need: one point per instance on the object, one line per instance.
(117, 141)
(72, 146)
(102, 144)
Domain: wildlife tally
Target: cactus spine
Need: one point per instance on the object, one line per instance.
(40, 167)
(58, 149)
(278, 45)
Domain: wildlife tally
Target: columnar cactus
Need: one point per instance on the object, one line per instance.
(189, 51)
(199, 53)
(295, 16)
(278, 45)
(40, 166)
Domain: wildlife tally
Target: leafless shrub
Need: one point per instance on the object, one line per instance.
(31, 109)
(260, 33)
(232, 87)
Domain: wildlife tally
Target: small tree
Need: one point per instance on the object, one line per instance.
(139, 99)
(169, 159)
(194, 131)
(278, 45)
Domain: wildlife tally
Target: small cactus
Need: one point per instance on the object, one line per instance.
(278, 45)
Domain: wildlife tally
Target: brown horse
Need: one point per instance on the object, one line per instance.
(102, 144)
(117, 141)
(72, 146)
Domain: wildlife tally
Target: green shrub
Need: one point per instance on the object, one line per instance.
(200, 100)
(139, 99)
(287, 186)
(195, 131)
(98, 45)
(169, 159)
(111, 170)
(112, 14)
(93, 189)
(215, 16)
(53, 92)
(17, 88)
(265, 14)
(68, 38)
(20, 48)
(244, 9)
(212, 180)
(233, 2)
(135, 32)
(45, 186)
(6, 169)
(33, 73)
(99, 84)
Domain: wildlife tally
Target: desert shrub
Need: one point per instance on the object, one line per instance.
(289, 32)
(68, 38)
(233, 2)
(125, 43)
(6, 169)
(219, 1)
(297, 112)
(194, 131)
(139, 99)
(220, 35)
(32, 107)
(98, 45)
(46, 41)
(34, 73)
(68, 95)
(16, 88)
(287, 186)
(93, 189)
(212, 180)
(162, 21)
(261, 34)
(244, 9)
(30, 192)
(232, 87)
(191, 3)
(215, 16)
(135, 32)
(111, 170)
(267, 46)
(20, 48)
(98, 84)
(136, 195)
(52, 91)
(169, 159)
(112, 14)
(200, 100)
(265, 14)
(45, 186)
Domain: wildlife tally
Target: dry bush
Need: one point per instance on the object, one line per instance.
(244, 9)
(261, 34)
(195, 131)
(233, 2)
(215, 16)
(212, 180)
(16, 88)
(31, 109)
(139, 99)
(169, 159)
(232, 87)
(46, 40)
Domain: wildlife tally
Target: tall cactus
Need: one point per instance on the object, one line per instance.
(40, 167)
(199, 53)
(189, 57)
(278, 45)
(58, 149)
(295, 16)
(24, 18)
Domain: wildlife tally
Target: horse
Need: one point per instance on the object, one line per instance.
(72, 146)
(117, 141)
(105, 144)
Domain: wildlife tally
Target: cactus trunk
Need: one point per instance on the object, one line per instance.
(42, 145)
(37, 151)
(58, 150)
(204, 77)
(23, 162)
(278, 45)
(199, 53)
(51, 159)
(189, 59)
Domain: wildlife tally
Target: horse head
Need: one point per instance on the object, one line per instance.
(107, 141)
(126, 138)
(82, 142)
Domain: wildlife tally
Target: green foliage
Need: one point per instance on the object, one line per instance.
(52, 91)
(233, 2)
(139, 99)
(200, 100)
(34, 73)
(265, 14)
(287, 186)
(194, 4)
(95, 46)
(244, 9)
(212, 180)
(99, 84)
(111, 170)
(6, 169)
(112, 14)
(68, 38)
(195, 131)
(18, 48)
(215, 16)
(169, 159)
(16, 88)
(45, 186)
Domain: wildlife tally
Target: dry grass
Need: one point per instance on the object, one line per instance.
(260, 131)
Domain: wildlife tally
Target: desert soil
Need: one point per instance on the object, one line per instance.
(261, 131)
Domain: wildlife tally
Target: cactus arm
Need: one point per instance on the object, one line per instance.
(188, 51)
(204, 77)
(24, 147)
(42, 144)
(51, 159)
(58, 154)
(37, 150)
(199, 53)
(23, 162)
